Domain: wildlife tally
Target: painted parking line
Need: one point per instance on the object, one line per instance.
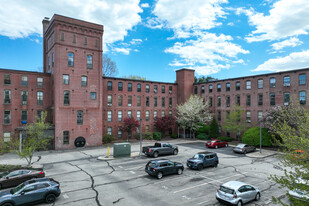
(132, 172)
(167, 180)
(203, 202)
(211, 179)
(207, 183)
(65, 196)
(120, 167)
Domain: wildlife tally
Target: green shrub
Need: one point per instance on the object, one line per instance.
(147, 135)
(252, 137)
(202, 136)
(137, 135)
(157, 136)
(204, 129)
(107, 138)
(227, 139)
(174, 136)
(214, 129)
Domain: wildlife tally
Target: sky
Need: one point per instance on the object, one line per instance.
(152, 39)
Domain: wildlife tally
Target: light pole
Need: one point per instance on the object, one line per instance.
(140, 137)
(260, 137)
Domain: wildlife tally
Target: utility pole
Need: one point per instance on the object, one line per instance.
(140, 137)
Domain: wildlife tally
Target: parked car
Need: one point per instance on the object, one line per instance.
(244, 148)
(160, 149)
(31, 191)
(17, 177)
(215, 143)
(162, 167)
(298, 193)
(203, 159)
(300, 155)
(237, 193)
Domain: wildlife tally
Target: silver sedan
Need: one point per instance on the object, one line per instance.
(244, 148)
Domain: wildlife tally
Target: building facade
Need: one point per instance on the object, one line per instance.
(83, 105)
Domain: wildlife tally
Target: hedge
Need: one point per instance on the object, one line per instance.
(157, 136)
(202, 136)
(227, 139)
(252, 137)
(107, 138)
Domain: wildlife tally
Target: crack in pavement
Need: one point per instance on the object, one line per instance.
(92, 184)
(39, 158)
(86, 154)
(118, 200)
(269, 187)
(113, 169)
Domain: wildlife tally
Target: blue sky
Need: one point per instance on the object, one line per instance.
(220, 38)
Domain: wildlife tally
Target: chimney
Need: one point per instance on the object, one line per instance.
(45, 23)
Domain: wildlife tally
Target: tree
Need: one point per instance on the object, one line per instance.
(193, 113)
(136, 77)
(295, 155)
(252, 137)
(204, 79)
(164, 123)
(130, 125)
(109, 66)
(234, 123)
(214, 128)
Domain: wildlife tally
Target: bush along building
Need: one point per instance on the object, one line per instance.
(83, 105)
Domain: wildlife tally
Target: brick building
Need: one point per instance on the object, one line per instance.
(82, 105)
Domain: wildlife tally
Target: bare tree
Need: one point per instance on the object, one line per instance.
(109, 66)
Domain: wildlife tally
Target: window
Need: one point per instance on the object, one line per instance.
(260, 84)
(109, 85)
(84, 81)
(138, 101)
(248, 84)
(147, 101)
(74, 38)
(24, 81)
(163, 102)
(163, 89)
(248, 100)
(89, 62)
(155, 88)
(248, 116)
(39, 96)
(62, 36)
(39, 114)
(260, 99)
(155, 113)
(129, 87)
(119, 132)
(147, 128)
(238, 100)
(170, 89)
(302, 97)
(272, 82)
(66, 98)
(24, 117)
(203, 89)
(210, 88)
(228, 87)
(70, 59)
(7, 117)
(53, 59)
(138, 115)
(147, 115)
(219, 101)
(80, 117)
(155, 101)
(147, 89)
(162, 113)
(85, 40)
(286, 81)
(109, 130)
(170, 113)
(302, 79)
(66, 137)
(195, 90)
(6, 136)
(120, 100)
(129, 101)
(219, 115)
(218, 87)
(96, 43)
(109, 116)
(119, 116)
(228, 101)
(24, 97)
(48, 63)
(109, 100)
(130, 113)
(39, 82)
(272, 99)
(210, 101)
(93, 95)
(260, 115)
(286, 98)
(66, 79)
(119, 86)
(139, 88)
(7, 79)
(237, 86)
(170, 102)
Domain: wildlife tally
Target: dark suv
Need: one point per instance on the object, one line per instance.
(162, 167)
(203, 159)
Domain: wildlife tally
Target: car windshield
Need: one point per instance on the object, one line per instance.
(240, 145)
(18, 188)
(198, 156)
(213, 141)
(227, 190)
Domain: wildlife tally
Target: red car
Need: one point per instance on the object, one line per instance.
(215, 143)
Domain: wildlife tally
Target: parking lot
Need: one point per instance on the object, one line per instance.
(123, 181)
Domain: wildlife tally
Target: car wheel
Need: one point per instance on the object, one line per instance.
(159, 175)
(257, 196)
(179, 171)
(200, 167)
(216, 164)
(226, 145)
(245, 151)
(216, 146)
(8, 204)
(239, 203)
(175, 152)
(50, 198)
(156, 154)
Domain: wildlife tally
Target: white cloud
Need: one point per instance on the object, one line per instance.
(230, 24)
(295, 60)
(136, 41)
(125, 51)
(145, 5)
(286, 19)
(154, 23)
(292, 42)
(19, 19)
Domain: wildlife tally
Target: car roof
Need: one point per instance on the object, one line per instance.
(160, 160)
(36, 180)
(205, 153)
(234, 184)
(238, 145)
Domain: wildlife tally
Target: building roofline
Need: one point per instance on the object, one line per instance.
(137, 80)
(22, 71)
(184, 69)
(254, 76)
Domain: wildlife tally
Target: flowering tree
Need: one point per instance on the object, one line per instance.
(193, 113)
(164, 123)
(129, 125)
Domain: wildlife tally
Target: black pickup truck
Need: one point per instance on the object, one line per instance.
(160, 149)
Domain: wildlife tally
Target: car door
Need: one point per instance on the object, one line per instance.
(164, 149)
(251, 192)
(26, 195)
(171, 167)
(13, 178)
(170, 149)
(206, 160)
(164, 168)
(243, 193)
